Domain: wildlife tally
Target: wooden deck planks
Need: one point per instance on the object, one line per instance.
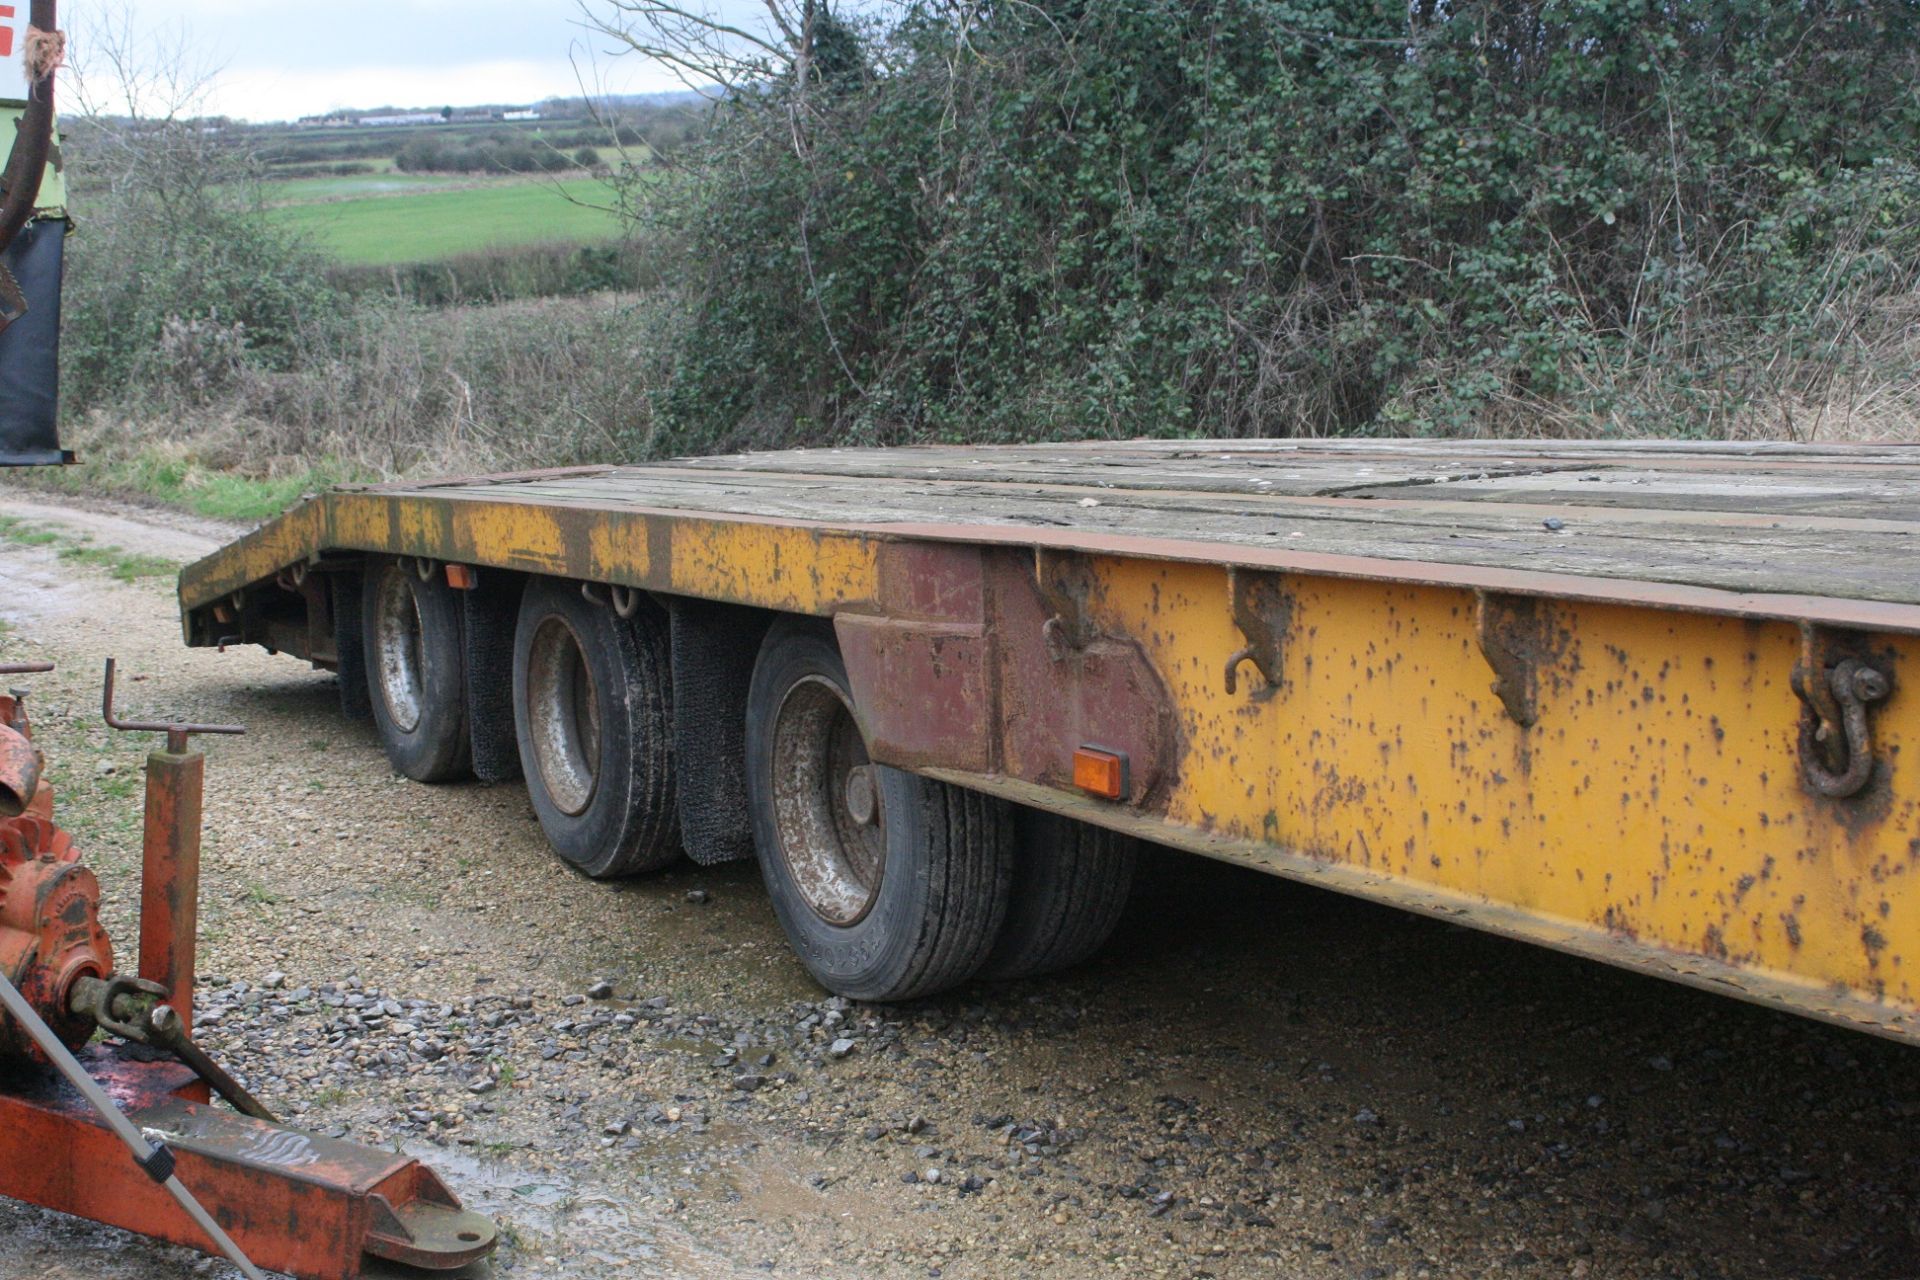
(1830, 521)
(1826, 521)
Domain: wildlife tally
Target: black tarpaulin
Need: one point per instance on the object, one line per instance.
(30, 351)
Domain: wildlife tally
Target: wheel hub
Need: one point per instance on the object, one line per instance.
(862, 804)
(563, 716)
(399, 657)
(827, 803)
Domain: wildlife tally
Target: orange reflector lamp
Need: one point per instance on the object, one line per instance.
(461, 577)
(1100, 772)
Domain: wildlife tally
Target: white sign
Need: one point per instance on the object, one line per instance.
(13, 38)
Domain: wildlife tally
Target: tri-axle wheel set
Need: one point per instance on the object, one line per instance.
(889, 885)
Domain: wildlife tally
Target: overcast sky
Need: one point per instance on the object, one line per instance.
(279, 59)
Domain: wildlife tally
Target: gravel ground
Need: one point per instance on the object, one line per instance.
(636, 1079)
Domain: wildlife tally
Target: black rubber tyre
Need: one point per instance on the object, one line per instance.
(593, 714)
(1070, 885)
(415, 669)
(889, 886)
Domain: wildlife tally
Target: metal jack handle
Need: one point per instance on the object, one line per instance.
(135, 1009)
(18, 721)
(165, 1028)
(170, 854)
(176, 730)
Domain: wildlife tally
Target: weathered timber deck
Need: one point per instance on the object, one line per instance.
(1828, 522)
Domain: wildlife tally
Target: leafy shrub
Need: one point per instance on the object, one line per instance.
(499, 151)
(1279, 216)
(173, 262)
(502, 275)
(203, 356)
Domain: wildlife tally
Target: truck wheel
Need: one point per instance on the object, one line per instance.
(593, 715)
(889, 885)
(1070, 885)
(416, 671)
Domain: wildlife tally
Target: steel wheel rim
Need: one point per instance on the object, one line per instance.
(563, 716)
(400, 650)
(828, 812)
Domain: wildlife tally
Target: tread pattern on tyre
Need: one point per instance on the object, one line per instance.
(713, 651)
(349, 647)
(656, 841)
(1070, 887)
(631, 825)
(491, 612)
(971, 907)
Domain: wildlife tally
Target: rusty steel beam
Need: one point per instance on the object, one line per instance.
(170, 852)
(170, 876)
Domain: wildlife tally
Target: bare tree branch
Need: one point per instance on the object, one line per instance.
(701, 46)
(143, 95)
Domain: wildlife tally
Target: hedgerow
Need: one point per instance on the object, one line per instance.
(998, 221)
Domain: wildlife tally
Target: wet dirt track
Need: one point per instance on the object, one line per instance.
(1255, 1080)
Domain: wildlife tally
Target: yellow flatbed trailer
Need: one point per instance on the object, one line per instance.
(1642, 702)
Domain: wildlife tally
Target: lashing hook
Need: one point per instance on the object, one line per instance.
(1836, 743)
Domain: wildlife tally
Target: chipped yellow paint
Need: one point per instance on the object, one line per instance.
(800, 570)
(1656, 800)
(617, 551)
(293, 538)
(775, 566)
(355, 521)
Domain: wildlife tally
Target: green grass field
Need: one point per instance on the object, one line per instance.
(387, 219)
(291, 191)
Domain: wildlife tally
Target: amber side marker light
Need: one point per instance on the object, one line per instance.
(1100, 772)
(460, 577)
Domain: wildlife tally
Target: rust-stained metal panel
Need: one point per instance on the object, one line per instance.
(924, 690)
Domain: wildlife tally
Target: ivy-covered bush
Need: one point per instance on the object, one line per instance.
(1232, 217)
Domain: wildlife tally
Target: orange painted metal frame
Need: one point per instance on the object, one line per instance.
(293, 1202)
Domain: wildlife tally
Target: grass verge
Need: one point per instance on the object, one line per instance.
(176, 478)
(123, 565)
